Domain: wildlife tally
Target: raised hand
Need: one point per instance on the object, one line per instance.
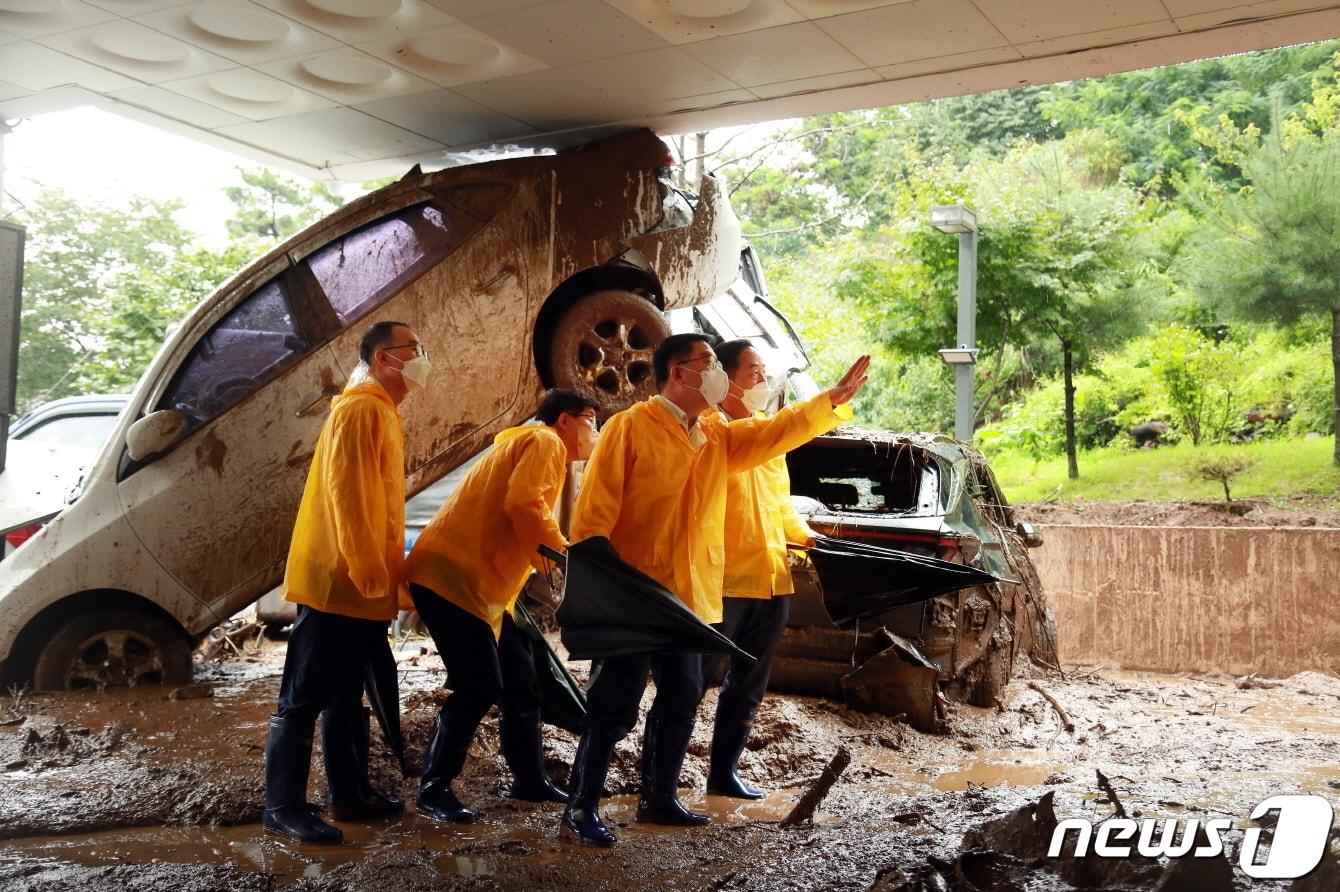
(851, 383)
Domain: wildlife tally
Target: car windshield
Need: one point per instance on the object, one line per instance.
(84, 431)
(867, 477)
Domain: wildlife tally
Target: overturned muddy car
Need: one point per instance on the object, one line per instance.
(516, 274)
(926, 495)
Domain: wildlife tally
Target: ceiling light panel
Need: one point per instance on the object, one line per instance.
(250, 94)
(359, 21)
(244, 32)
(131, 49)
(40, 18)
(346, 76)
(455, 54)
(177, 107)
(36, 67)
(131, 8)
(665, 18)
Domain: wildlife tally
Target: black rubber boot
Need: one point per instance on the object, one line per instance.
(344, 744)
(581, 819)
(723, 775)
(647, 782)
(441, 765)
(288, 759)
(660, 804)
(523, 748)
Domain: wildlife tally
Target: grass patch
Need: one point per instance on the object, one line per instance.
(1282, 468)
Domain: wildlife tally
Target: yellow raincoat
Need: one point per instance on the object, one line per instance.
(760, 522)
(481, 545)
(663, 505)
(348, 544)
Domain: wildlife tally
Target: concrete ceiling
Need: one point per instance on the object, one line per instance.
(353, 89)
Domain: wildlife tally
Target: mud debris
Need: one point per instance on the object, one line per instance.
(132, 790)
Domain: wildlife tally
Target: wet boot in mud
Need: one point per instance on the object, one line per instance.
(288, 759)
(344, 744)
(723, 774)
(523, 748)
(660, 803)
(441, 765)
(581, 819)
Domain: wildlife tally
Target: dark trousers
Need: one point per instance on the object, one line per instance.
(755, 625)
(616, 687)
(481, 671)
(323, 666)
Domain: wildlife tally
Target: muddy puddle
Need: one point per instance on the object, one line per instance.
(138, 790)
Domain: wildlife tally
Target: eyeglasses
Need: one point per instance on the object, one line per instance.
(712, 361)
(419, 349)
(585, 417)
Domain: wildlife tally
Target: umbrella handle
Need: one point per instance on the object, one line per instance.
(557, 557)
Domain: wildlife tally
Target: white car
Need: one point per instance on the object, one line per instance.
(516, 274)
(47, 453)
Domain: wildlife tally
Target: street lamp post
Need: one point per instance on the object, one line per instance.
(957, 219)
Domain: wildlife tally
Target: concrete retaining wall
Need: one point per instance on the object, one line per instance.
(1230, 599)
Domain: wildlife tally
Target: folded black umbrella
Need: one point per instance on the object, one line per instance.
(381, 677)
(562, 701)
(611, 608)
(859, 580)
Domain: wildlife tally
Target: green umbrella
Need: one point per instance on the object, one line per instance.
(562, 701)
(611, 608)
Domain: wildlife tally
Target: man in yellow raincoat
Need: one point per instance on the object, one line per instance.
(656, 488)
(465, 573)
(344, 573)
(760, 523)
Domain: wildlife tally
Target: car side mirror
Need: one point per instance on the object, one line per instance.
(154, 433)
(1031, 535)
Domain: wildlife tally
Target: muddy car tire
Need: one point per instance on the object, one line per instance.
(603, 345)
(115, 648)
(994, 675)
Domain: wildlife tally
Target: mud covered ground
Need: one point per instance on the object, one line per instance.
(156, 789)
(1294, 511)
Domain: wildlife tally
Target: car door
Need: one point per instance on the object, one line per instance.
(216, 509)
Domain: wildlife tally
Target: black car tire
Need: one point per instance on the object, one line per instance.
(112, 648)
(603, 346)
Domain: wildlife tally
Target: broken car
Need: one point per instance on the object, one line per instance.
(517, 274)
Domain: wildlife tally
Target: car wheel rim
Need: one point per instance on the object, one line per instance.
(116, 658)
(614, 358)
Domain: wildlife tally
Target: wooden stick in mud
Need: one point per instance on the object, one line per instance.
(1106, 786)
(809, 803)
(1056, 705)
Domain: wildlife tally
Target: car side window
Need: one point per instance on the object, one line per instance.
(364, 268)
(244, 350)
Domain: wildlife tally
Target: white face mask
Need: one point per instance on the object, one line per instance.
(713, 384)
(414, 372)
(756, 398)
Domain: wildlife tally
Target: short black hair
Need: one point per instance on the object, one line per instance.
(673, 349)
(563, 401)
(729, 352)
(376, 335)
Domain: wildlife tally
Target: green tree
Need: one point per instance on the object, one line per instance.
(1270, 251)
(101, 287)
(274, 207)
